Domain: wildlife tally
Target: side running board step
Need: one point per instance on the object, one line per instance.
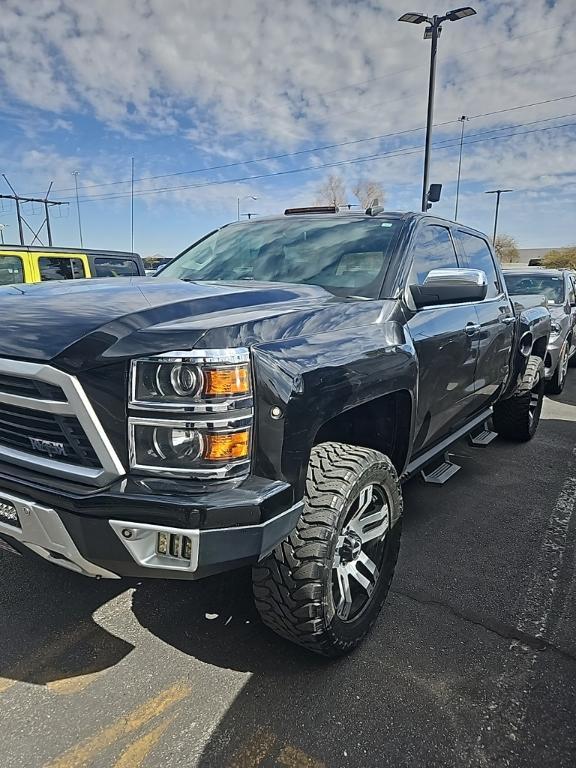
(484, 437)
(441, 472)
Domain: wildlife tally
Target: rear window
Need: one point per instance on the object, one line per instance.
(478, 256)
(56, 268)
(105, 266)
(11, 270)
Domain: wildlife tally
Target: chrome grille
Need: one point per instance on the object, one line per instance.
(48, 424)
(43, 433)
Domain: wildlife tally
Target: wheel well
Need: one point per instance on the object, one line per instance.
(382, 424)
(539, 348)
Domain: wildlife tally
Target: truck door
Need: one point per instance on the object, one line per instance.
(445, 344)
(496, 319)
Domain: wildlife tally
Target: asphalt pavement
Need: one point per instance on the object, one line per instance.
(472, 662)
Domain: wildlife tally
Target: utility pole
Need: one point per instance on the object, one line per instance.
(432, 32)
(2, 228)
(132, 209)
(462, 120)
(75, 174)
(18, 199)
(47, 214)
(497, 192)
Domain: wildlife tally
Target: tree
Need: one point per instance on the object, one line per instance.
(332, 191)
(366, 191)
(563, 258)
(506, 249)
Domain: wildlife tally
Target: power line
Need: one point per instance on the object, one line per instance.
(444, 144)
(321, 148)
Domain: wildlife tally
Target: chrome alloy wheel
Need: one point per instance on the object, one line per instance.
(360, 552)
(535, 400)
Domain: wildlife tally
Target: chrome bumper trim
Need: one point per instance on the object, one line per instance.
(42, 531)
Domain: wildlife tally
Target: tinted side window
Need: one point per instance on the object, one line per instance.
(478, 256)
(111, 267)
(60, 268)
(11, 270)
(433, 250)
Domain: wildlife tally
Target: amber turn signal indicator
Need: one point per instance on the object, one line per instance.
(222, 447)
(227, 381)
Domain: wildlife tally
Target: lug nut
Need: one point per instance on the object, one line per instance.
(127, 533)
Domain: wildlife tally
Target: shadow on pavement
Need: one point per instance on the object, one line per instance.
(48, 633)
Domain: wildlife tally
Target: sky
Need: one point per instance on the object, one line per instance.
(218, 100)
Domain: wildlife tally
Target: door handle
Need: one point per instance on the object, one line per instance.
(507, 320)
(472, 329)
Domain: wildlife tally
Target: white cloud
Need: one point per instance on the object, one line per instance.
(242, 79)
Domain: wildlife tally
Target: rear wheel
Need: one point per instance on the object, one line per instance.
(323, 587)
(556, 383)
(517, 417)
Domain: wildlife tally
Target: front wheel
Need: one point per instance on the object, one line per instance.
(517, 418)
(323, 586)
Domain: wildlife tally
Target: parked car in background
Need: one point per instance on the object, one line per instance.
(36, 264)
(558, 288)
(154, 264)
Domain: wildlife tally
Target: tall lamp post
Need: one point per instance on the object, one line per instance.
(461, 120)
(238, 201)
(497, 192)
(432, 32)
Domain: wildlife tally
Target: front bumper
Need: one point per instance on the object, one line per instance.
(110, 548)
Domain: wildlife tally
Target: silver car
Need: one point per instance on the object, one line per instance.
(557, 289)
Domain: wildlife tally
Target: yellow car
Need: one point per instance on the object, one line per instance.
(30, 264)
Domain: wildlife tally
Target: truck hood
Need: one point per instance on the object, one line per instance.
(84, 323)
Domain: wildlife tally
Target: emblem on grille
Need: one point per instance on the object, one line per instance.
(47, 446)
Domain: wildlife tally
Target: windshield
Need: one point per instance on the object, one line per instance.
(550, 286)
(346, 256)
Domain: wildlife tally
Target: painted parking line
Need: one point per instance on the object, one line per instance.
(258, 747)
(290, 757)
(32, 665)
(135, 753)
(262, 745)
(79, 755)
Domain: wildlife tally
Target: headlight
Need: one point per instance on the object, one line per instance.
(199, 448)
(209, 380)
(555, 328)
(206, 400)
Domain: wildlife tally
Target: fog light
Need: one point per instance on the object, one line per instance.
(162, 544)
(8, 513)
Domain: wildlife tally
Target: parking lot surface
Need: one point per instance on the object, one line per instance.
(472, 662)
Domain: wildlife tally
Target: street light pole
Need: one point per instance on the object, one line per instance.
(497, 192)
(433, 32)
(462, 120)
(238, 199)
(435, 27)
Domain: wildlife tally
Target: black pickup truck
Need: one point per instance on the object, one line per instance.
(259, 404)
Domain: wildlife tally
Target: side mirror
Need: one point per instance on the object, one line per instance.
(450, 286)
